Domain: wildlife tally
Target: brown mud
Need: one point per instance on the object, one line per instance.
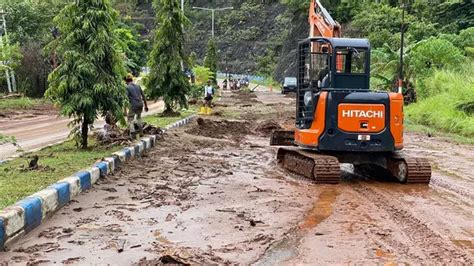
(23, 113)
(212, 193)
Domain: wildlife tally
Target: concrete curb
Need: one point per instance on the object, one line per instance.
(27, 214)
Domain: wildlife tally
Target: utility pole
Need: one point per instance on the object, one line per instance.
(10, 74)
(182, 10)
(213, 10)
(402, 29)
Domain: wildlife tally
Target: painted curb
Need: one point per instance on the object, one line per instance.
(27, 214)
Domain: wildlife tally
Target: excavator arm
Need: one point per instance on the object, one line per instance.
(321, 23)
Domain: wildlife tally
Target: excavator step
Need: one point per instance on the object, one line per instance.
(323, 169)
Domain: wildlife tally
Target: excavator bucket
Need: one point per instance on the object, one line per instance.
(283, 138)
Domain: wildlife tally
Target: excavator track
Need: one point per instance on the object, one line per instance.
(410, 169)
(323, 169)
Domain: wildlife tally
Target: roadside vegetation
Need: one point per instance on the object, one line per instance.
(446, 102)
(19, 103)
(438, 55)
(57, 162)
(84, 78)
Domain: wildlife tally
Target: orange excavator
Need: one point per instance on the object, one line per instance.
(338, 118)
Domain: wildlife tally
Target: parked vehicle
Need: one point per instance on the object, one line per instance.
(289, 85)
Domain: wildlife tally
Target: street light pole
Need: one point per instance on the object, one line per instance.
(402, 29)
(213, 10)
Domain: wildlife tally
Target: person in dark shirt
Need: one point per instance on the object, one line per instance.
(137, 102)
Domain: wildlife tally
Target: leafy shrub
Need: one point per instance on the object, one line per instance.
(202, 75)
(433, 54)
(447, 101)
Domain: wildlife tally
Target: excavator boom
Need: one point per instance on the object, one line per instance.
(321, 23)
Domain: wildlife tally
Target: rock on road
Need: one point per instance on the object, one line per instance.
(211, 192)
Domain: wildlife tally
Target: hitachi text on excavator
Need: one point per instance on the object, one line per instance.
(338, 118)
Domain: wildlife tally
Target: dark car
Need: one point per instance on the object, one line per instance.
(289, 85)
(244, 82)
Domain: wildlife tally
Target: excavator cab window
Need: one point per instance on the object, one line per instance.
(352, 68)
(353, 61)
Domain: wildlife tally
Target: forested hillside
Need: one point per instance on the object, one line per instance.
(261, 36)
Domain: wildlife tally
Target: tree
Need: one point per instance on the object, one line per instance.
(29, 23)
(166, 78)
(88, 81)
(10, 55)
(381, 24)
(266, 63)
(211, 60)
(202, 75)
(132, 49)
(431, 54)
(385, 67)
(192, 59)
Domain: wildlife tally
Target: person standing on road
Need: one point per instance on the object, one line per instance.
(137, 101)
(208, 94)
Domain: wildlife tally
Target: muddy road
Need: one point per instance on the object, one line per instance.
(211, 192)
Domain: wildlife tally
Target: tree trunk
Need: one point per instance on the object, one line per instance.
(168, 108)
(84, 134)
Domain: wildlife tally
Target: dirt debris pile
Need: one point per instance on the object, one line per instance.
(266, 128)
(245, 96)
(113, 135)
(220, 129)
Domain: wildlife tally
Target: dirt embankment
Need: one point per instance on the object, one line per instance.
(44, 109)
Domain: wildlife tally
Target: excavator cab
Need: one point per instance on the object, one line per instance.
(329, 64)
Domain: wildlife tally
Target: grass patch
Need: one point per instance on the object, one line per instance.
(162, 122)
(19, 103)
(446, 102)
(276, 86)
(58, 162)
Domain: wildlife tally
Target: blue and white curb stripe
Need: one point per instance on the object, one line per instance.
(180, 123)
(29, 213)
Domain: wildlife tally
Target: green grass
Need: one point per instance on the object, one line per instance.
(58, 162)
(446, 102)
(276, 86)
(22, 103)
(162, 122)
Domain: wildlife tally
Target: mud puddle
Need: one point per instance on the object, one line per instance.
(287, 248)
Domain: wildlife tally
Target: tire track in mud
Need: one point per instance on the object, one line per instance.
(451, 187)
(432, 245)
